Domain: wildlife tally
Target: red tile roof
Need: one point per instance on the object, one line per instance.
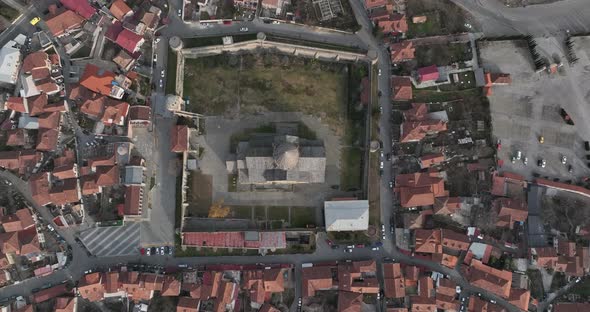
(89, 185)
(64, 22)
(35, 60)
(16, 104)
(402, 88)
(486, 277)
(39, 185)
(187, 304)
(429, 73)
(66, 304)
(94, 107)
(82, 7)
(15, 137)
(113, 31)
(129, 41)
(65, 193)
(115, 113)
(349, 301)
(427, 241)
(565, 247)
(371, 4)
(394, 284)
(446, 205)
(455, 241)
(402, 51)
(417, 130)
(107, 176)
(571, 307)
(395, 23)
(419, 189)
(425, 304)
(314, 279)
(47, 140)
(418, 112)
(22, 219)
(447, 303)
(546, 257)
(97, 79)
(234, 240)
(510, 211)
(140, 113)
(564, 186)
(179, 141)
(429, 160)
(133, 196)
(49, 120)
(51, 293)
(520, 298)
(120, 9)
(91, 287)
(170, 287)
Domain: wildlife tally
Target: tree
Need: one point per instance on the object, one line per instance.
(218, 210)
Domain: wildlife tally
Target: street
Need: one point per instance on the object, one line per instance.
(495, 19)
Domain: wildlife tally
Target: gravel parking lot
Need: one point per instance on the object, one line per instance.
(529, 108)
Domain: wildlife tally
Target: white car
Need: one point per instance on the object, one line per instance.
(161, 83)
(375, 249)
(518, 155)
(162, 73)
(179, 12)
(350, 246)
(244, 29)
(563, 159)
(157, 40)
(493, 301)
(379, 72)
(381, 165)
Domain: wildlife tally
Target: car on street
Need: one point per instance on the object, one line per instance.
(155, 57)
(382, 227)
(383, 236)
(35, 20)
(347, 250)
(493, 301)
(518, 155)
(166, 250)
(329, 242)
(153, 250)
(299, 302)
(381, 165)
(380, 109)
(525, 161)
(563, 159)
(148, 251)
(379, 71)
(335, 246)
(388, 156)
(390, 184)
(570, 169)
(360, 246)
(161, 83)
(162, 73)
(244, 29)
(375, 249)
(179, 12)
(381, 154)
(162, 251)
(142, 251)
(350, 246)
(157, 40)
(542, 163)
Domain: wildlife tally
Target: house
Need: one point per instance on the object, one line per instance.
(429, 160)
(188, 304)
(314, 279)
(21, 220)
(486, 277)
(346, 215)
(64, 23)
(394, 282)
(419, 19)
(47, 140)
(419, 189)
(402, 88)
(349, 301)
(373, 4)
(100, 81)
(544, 257)
(428, 73)
(402, 51)
(393, 24)
(139, 115)
(245, 240)
(510, 211)
(412, 131)
(180, 141)
(520, 298)
(129, 41)
(91, 287)
(414, 221)
(455, 241)
(446, 205)
(120, 10)
(133, 200)
(508, 184)
(571, 307)
(427, 241)
(66, 304)
(115, 113)
(420, 303)
(50, 293)
(81, 7)
(565, 247)
(124, 60)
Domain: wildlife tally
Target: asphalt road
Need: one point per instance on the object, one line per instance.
(362, 39)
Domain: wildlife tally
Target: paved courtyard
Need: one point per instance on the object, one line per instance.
(217, 150)
(112, 241)
(529, 108)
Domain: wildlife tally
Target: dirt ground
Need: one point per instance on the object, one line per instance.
(199, 196)
(252, 83)
(444, 17)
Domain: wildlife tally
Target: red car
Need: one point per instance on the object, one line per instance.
(329, 242)
(360, 246)
(142, 251)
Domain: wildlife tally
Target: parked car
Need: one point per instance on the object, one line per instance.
(244, 29)
(375, 249)
(162, 73)
(360, 246)
(329, 242)
(563, 159)
(179, 12)
(347, 250)
(161, 83)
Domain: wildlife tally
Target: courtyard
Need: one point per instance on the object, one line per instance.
(320, 99)
(529, 109)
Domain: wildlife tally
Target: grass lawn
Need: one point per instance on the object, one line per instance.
(171, 75)
(536, 283)
(302, 216)
(8, 12)
(582, 288)
(444, 96)
(278, 213)
(199, 195)
(429, 28)
(241, 212)
(465, 80)
(351, 169)
(266, 82)
(442, 54)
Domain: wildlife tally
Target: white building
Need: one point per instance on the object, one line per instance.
(10, 62)
(346, 215)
